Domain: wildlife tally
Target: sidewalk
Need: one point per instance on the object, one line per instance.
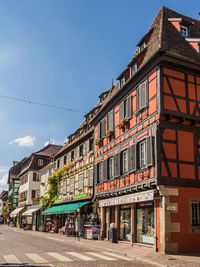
(144, 254)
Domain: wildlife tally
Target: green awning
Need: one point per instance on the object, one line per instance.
(67, 208)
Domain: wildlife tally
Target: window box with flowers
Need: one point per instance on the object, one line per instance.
(123, 123)
(109, 133)
(98, 141)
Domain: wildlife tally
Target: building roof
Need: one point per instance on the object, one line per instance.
(15, 170)
(162, 37)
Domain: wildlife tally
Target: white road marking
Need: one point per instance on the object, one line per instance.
(117, 256)
(11, 259)
(58, 256)
(101, 256)
(81, 256)
(55, 239)
(36, 258)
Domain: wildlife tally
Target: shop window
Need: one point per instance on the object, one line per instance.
(125, 109)
(40, 162)
(110, 121)
(145, 223)
(100, 172)
(90, 178)
(125, 222)
(142, 95)
(110, 167)
(124, 161)
(184, 31)
(195, 216)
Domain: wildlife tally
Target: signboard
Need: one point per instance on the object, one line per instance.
(83, 195)
(132, 198)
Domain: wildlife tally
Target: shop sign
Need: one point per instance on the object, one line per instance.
(132, 198)
(83, 195)
(146, 204)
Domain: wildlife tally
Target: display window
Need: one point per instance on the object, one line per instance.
(125, 222)
(145, 223)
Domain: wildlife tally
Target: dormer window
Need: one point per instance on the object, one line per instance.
(133, 69)
(122, 82)
(184, 31)
(40, 162)
(142, 46)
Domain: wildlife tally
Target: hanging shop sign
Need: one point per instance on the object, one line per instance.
(132, 198)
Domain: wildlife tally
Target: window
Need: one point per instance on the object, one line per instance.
(80, 181)
(101, 129)
(33, 194)
(65, 160)
(124, 162)
(90, 178)
(195, 216)
(143, 45)
(142, 95)
(125, 109)
(72, 185)
(80, 150)
(58, 163)
(184, 31)
(100, 172)
(36, 177)
(133, 69)
(40, 162)
(142, 154)
(64, 187)
(122, 82)
(110, 167)
(110, 121)
(91, 142)
(72, 155)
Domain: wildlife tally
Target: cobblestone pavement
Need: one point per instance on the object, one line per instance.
(31, 247)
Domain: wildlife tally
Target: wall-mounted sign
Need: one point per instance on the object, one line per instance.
(132, 198)
(83, 195)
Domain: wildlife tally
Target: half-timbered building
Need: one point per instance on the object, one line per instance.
(147, 141)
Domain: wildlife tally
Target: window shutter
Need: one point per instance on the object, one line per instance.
(88, 145)
(121, 111)
(103, 128)
(129, 107)
(64, 187)
(147, 93)
(137, 99)
(105, 170)
(149, 151)
(99, 131)
(117, 165)
(143, 95)
(77, 152)
(72, 185)
(134, 157)
(90, 178)
(95, 174)
(110, 122)
(80, 182)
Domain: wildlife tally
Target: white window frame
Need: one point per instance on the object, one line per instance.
(133, 69)
(183, 31)
(40, 162)
(122, 81)
(142, 154)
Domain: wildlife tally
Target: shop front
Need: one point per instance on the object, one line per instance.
(30, 215)
(16, 216)
(63, 219)
(133, 216)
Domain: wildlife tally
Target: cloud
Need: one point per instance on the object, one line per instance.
(26, 141)
(51, 141)
(3, 179)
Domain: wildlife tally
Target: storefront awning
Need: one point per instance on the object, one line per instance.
(15, 212)
(67, 208)
(29, 212)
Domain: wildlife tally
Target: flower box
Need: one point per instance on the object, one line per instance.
(123, 123)
(109, 133)
(98, 141)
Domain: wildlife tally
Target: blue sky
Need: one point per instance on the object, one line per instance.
(63, 53)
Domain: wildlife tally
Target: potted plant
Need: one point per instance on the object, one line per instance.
(109, 133)
(123, 122)
(98, 141)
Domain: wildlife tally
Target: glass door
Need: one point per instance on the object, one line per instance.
(125, 224)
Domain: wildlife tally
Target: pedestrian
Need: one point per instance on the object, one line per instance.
(67, 226)
(24, 223)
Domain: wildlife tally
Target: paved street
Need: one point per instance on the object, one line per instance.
(28, 248)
